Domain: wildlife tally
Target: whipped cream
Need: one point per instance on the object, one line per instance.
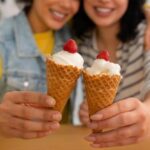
(101, 66)
(66, 58)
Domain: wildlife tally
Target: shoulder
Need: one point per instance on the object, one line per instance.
(141, 29)
(7, 26)
(139, 39)
(86, 40)
(6, 29)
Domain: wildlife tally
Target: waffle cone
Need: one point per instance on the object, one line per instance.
(61, 80)
(100, 90)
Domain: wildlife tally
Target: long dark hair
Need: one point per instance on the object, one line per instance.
(82, 24)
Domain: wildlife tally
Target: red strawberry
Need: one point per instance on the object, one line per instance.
(71, 46)
(103, 55)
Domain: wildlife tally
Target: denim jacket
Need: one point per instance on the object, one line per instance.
(23, 64)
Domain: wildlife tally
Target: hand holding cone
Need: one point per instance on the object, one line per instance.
(100, 88)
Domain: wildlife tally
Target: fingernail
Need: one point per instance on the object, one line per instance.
(55, 126)
(51, 101)
(90, 139)
(56, 117)
(97, 117)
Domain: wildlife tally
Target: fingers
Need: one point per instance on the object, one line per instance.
(84, 106)
(25, 121)
(84, 118)
(3, 114)
(127, 141)
(27, 125)
(121, 120)
(26, 135)
(28, 97)
(32, 113)
(116, 108)
(83, 113)
(116, 135)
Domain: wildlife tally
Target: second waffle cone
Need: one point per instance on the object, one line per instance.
(100, 90)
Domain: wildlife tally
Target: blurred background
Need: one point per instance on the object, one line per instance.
(9, 8)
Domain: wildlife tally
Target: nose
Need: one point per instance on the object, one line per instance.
(66, 3)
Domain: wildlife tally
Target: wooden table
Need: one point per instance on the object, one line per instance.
(67, 138)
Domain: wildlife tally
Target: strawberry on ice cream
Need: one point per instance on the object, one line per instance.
(69, 55)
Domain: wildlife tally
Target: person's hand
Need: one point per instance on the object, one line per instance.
(19, 119)
(128, 122)
(84, 114)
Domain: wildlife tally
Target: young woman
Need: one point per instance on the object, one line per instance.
(24, 41)
(119, 27)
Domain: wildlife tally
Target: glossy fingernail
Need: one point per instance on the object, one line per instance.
(57, 117)
(97, 117)
(55, 126)
(51, 101)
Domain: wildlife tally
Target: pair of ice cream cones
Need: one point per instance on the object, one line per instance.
(61, 79)
(100, 89)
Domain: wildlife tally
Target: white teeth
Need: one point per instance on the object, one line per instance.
(58, 14)
(104, 10)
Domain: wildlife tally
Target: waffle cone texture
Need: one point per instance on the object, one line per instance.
(61, 80)
(100, 90)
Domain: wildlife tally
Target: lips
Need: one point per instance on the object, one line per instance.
(103, 11)
(59, 16)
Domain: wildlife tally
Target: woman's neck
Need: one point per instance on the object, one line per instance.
(107, 39)
(35, 23)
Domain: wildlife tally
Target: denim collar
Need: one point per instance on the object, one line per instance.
(26, 45)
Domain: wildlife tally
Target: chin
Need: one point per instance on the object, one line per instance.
(56, 26)
(104, 25)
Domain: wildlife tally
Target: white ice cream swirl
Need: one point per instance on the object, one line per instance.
(67, 58)
(101, 66)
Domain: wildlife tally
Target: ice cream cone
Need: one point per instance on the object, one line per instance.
(61, 79)
(100, 90)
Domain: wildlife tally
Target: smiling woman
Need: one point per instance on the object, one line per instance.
(50, 14)
(118, 26)
(24, 41)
